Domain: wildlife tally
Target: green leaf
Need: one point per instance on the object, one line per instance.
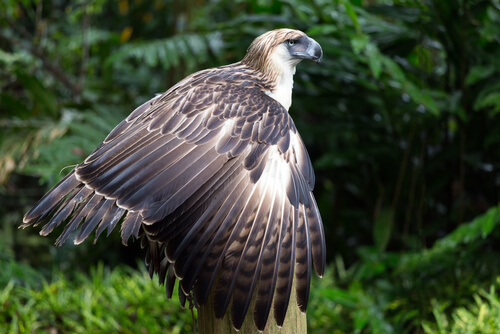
(352, 14)
(41, 96)
(478, 73)
(343, 297)
(322, 30)
(359, 43)
(382, 228)
(490, 100)
(8, 59)
(168, 52)
(441, 321)
(419, 95)
(360, 319)
(374, 59)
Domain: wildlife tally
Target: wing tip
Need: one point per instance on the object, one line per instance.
(25, 223)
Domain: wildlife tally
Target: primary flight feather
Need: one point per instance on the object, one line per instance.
(214, 178)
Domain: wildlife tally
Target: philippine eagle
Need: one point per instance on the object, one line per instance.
(214, 178)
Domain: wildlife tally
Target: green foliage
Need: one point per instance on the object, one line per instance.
(169, 52)
(399, 293)
(482, 316)
(71, 140)
(118, 301)
(444, 249)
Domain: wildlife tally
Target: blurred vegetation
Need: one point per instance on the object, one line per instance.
(401, 120)
(118, 301)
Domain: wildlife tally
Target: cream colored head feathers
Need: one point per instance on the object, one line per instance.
(276, 53)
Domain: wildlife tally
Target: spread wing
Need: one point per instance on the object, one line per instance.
(215, 178)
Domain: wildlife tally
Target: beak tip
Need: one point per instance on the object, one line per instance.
(317, 51)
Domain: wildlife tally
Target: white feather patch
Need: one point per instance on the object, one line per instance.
(277, 174)
(285, 67)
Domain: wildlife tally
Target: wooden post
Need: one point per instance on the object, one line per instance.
(295, 321)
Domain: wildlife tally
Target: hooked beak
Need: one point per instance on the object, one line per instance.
(313, 51)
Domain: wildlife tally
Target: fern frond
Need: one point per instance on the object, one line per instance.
(194, 49)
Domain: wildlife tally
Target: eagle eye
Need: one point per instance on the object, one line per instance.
(291, 42)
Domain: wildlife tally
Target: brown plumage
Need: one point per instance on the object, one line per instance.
(214, 178)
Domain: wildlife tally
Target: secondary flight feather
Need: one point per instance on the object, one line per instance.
(215, 180)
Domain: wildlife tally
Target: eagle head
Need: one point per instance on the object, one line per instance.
(276, 53)
(281, 47)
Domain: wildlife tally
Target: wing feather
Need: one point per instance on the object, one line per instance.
(303, 262)
(286, 269)
(63, 212)
(269, 270)
(212, 216)
(192, 127)
(317, 236)
(122, 128)
(80, 209)
(110, 218)
(181, 188)
(170, 280)
(178, 246)
(93, 218)
(246, 228)
(50, 201)
(122, 144)
(192, 208)
(164, 113)
(114, 174)
(143, 188)
(196, 260)
(252, 262)
(131, 226)
(117, 183)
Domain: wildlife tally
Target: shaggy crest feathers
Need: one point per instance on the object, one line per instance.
(259, 53)
(215, 180)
